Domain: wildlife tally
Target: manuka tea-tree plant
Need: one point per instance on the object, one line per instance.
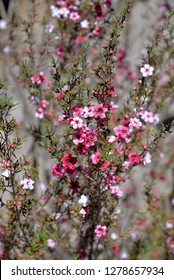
(93, 141)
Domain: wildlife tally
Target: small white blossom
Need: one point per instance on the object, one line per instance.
(7, 49)
(84, 23)
(117, 211)
(43, 187)
(83, 212)
(6, 173)
(49, 28)
(169, 225)
(83, 200)
(27, 184)
(55, 11)
(64, 12)
(111, 138)
(114, 236)
(51, 243)
(147, 158)
(3, 24)
(126, 164)
(57, 216)
(124, 255)
(147, 70)
(156, 119)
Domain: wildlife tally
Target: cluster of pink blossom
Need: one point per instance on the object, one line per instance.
(41, 111)
(72, 10)
(84, 138)
(79, 13)
(38, 79)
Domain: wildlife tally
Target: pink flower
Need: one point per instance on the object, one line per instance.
(76, 122)
(98, 11)
(100, 230)
(99, 111)
(77, 111)
(61, 117)
(69, 161)
(97, 31)
(57, 170)
(104, 165)
(147, 117)
(135, 123)
(74, 185)
(78, 137)
(116, 190)
(110, 179)
(108, 3)
(121, 54)
(122, 133)
(96, 157)
(38, 79)
(44, 103)
(88, 112)
(39, 113)
(134, 158)
(74, 16)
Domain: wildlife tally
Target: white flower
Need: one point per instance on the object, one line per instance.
(147, 70)
(27, 184)
(169, 225)
(84, 23)
(156, 119)
(3, 24)
(147, 158)
(116, 190)
(124, 255)
(49, 28)
(7, 49)
(83, 200)
(117, 211)
(43, 187)
(114, 236)
(64, 12)
(57, 216)
(6, 173)
(126, 164)
(51, 243)
(55, 11)
(82, 211)
(111, 138)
